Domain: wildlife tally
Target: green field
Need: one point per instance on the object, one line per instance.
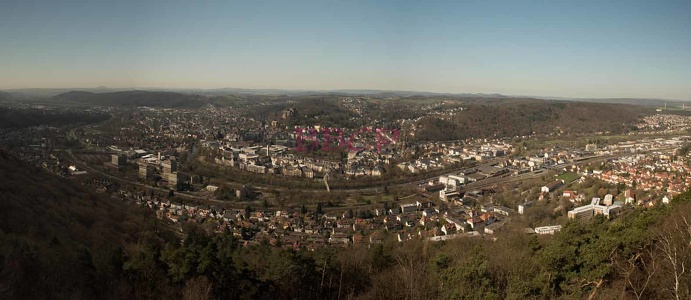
(568, 177)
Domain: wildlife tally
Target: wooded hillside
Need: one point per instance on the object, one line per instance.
(508, 119)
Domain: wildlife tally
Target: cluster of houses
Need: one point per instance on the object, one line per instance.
(300, 228)
(665, 123)
(276, 159)
(643, 145)
(439, 155)
(608, 207)
(164, 129)
(658, 173)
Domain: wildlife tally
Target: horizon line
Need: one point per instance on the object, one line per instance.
(337, 90)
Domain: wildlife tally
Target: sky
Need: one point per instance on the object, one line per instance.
(540, 48)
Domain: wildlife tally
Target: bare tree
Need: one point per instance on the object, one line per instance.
(638, 270)
(198, 288)
(674, 244)
(412, 268)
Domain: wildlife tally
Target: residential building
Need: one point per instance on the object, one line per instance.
(552, 186)
(409, 207)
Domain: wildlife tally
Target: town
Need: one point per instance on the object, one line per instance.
(229, 172)
(360, 150)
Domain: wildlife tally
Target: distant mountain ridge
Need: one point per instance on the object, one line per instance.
(132, 99)
(633, 101)
(342, 92)
(5, 96)
(197, 94)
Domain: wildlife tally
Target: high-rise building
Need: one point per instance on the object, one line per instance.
(170, 166)
(176, 179)
(145, 171)
(118, 160)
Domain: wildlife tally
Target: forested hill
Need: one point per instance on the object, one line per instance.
(505, 118)
(5, 96)
(14, 118)
(132, 99)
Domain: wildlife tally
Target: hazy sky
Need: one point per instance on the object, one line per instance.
(572, 48)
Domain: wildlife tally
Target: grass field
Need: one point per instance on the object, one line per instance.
(568, 177)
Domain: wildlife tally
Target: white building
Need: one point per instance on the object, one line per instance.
(523, 206)
(594, 208)
(449, 182)
(548, 229)
(410, 207)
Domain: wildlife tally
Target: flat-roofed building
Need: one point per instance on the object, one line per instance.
(550, 187)
(410, 207)
(170, 166)
(445, 194)
(582, 213)
(176, 179)
(449, 183)
(145, 171)
(594, 208)
(548, 229)
(118, 160)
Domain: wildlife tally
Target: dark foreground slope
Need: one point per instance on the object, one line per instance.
(60, 241)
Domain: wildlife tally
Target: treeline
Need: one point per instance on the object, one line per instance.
(14, 118)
